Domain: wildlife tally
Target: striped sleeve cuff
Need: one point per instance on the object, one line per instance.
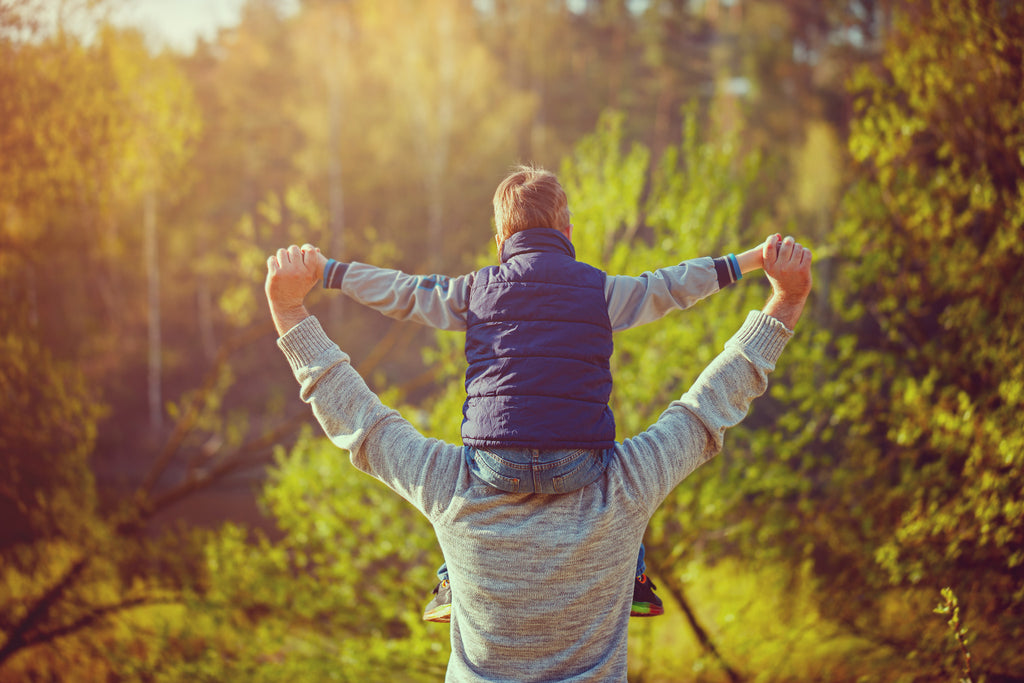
(334, 273)
(727, 268)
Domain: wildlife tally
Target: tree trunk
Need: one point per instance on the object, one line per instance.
(437, 161)
(334, 244)
(153, 276)
(204, 305)
(675, 588)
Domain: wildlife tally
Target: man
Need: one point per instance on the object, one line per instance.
(511, 621)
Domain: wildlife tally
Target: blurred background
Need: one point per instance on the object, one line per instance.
(170, 512)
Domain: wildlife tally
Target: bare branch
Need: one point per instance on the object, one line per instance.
(16, 639)
(676, 589)
(187, 422)
(95, 615)
(242, 457)
(395, 336)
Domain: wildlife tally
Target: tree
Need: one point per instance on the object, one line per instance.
(247, 88)
(151, 146)
(48, 489)
(898, 463)
(109, 126)
(338, 592)
(935, 223)
(441, 120)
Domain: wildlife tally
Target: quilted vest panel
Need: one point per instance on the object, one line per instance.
(538, 346)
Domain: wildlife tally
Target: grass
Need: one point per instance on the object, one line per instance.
(767, 627)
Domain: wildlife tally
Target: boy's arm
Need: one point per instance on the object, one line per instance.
(634, 301)
(751, 259)
(434, 300)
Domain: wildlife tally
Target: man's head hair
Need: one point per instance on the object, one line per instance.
(529, 197)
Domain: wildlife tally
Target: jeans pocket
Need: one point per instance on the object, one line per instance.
(486, 472)
(587, 469)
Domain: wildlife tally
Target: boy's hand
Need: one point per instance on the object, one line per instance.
(753, 259)
(318, 260)
(290, 277)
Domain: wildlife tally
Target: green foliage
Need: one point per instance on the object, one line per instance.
(605, 184)
(65, 602)
(335, 594)
(768, 621)
(291, 217)
(46, 486)
(448, 358)
(896, 465)
(940, 254)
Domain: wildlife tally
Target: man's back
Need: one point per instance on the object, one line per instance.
(506, 624)
(501, 631)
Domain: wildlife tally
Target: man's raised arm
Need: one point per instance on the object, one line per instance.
(722, 394)
(692, 430)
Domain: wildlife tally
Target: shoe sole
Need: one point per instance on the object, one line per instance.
(439, 615)
(645, 609)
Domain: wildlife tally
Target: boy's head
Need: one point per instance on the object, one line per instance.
(529, 197)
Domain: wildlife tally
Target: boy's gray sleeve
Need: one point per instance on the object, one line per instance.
(434, 300)
(634, 301)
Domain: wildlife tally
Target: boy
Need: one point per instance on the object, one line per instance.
(538, 344)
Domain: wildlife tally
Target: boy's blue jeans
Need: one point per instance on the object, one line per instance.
(528, 470)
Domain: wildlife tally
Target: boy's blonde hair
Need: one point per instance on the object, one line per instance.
(529, 197)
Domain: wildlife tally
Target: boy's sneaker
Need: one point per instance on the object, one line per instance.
(440, 608)
(645, 602)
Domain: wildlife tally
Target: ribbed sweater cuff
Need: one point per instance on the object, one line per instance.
(762, 335)
(305, 343)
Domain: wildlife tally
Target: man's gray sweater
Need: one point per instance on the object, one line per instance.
(542, 584)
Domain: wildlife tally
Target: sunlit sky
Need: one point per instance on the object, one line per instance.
(179, 23)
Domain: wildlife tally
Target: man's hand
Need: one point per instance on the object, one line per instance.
(788, 266)
(290, 277)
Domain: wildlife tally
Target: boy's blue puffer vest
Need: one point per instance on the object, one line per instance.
(538, 344)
